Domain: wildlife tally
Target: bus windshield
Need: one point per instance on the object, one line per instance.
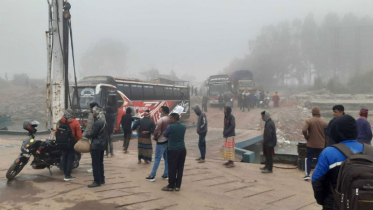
(246, 83)
(86, 96)
(217, 89)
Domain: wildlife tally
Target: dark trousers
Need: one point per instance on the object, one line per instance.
(176, 160)
(98, 166)
(245, 105)
(204, 107)
(67, 161)
(202, 145)
(268, 151)
(126, 141)
(311, 153)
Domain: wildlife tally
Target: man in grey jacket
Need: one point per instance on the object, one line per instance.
(269, 142)
(202, 131)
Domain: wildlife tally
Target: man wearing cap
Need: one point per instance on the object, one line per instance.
(363, 128)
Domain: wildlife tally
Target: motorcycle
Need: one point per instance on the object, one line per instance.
(265, 102)
(44, 152)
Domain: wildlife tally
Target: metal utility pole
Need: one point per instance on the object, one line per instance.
(58, 81)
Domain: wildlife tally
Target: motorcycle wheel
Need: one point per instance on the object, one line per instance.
(14, 170)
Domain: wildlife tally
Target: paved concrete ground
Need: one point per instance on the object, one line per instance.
(207, 186)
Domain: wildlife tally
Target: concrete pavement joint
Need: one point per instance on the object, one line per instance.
(239, 188)
(119, 196)
(116, 189)
(282, 199)
(259, 193)
(222, 183)
(206, 179)
(129, 204)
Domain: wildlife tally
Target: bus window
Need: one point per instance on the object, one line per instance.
(177, 94)
(148, 92)
(159, 92)
(136, 92)
(184, 93)
(125, 89)
(168, 93)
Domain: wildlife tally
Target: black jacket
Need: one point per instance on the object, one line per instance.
(270, 138)
(229, 124)
(146, 124)
(327, 132)
(110, 118)
(98, 135)
(126, 121)
(202, 121)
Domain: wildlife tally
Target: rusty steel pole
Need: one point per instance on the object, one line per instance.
(58, 81)
(48, 101)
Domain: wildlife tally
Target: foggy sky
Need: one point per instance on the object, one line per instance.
(199, 37)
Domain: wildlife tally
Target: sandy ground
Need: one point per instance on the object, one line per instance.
(205, 186)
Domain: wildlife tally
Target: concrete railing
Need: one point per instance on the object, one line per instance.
(247, 155)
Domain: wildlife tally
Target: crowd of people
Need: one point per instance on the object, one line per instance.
(330, 143)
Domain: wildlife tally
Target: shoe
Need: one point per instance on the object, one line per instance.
(306, 178)
(150, 178)
(266, 171)
(262, 168)
(165, 177)
(69, 178)
(94, 184)
(103, 182)
(90, 170)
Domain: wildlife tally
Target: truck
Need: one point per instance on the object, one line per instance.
(242, 80)
(218, 85)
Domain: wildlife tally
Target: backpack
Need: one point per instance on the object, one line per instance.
(64, 137)
(355, 180)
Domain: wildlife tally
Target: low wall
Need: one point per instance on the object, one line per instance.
(247, 155)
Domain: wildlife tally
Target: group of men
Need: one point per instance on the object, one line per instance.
(328, 143)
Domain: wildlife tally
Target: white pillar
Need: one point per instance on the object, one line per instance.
(58, 81)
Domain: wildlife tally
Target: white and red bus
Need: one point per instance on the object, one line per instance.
(118, 93)
(218, 85)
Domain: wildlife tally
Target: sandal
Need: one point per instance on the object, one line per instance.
(177, 189)
(230, 166)
(225, 164)
(201, 161)
(168, 189)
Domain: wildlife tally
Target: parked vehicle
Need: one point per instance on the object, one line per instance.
(44, 152)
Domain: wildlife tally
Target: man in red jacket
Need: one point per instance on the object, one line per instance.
(68, 156)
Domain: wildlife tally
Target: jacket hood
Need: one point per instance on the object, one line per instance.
(266, 116)
(316, 111)
(229, 110)
(128, 110)
(68, 114)
(63, 120)
(197, 110)
(344, 128)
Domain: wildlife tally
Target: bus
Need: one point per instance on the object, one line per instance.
(218, 85)
(118, 93)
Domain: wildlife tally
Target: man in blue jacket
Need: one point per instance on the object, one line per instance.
(343, 130)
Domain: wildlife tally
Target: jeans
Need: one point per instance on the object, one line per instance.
(176, 161)
(109, 148)
(67, 161)
(311, 153)
(98, 166)
(127, 138)
(268, 151)
(202, 145)
(160, 150)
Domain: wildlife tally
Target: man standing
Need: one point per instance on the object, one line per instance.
(202, 131)
(110, 119)
(176, 152)
(221, 101)
(146, 128)
(98, 145)
(204, 103)
(338, 110)
(229, 133)
(68, 155)
(276, 100)
(126, 122)
(90, 121)
(162, 145)
(269, 142)
(363, 128)
(324, 178)
(313, 132)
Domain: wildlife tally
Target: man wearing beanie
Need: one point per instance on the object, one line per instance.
(313, 132)
(363, 127)
(344, 131)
